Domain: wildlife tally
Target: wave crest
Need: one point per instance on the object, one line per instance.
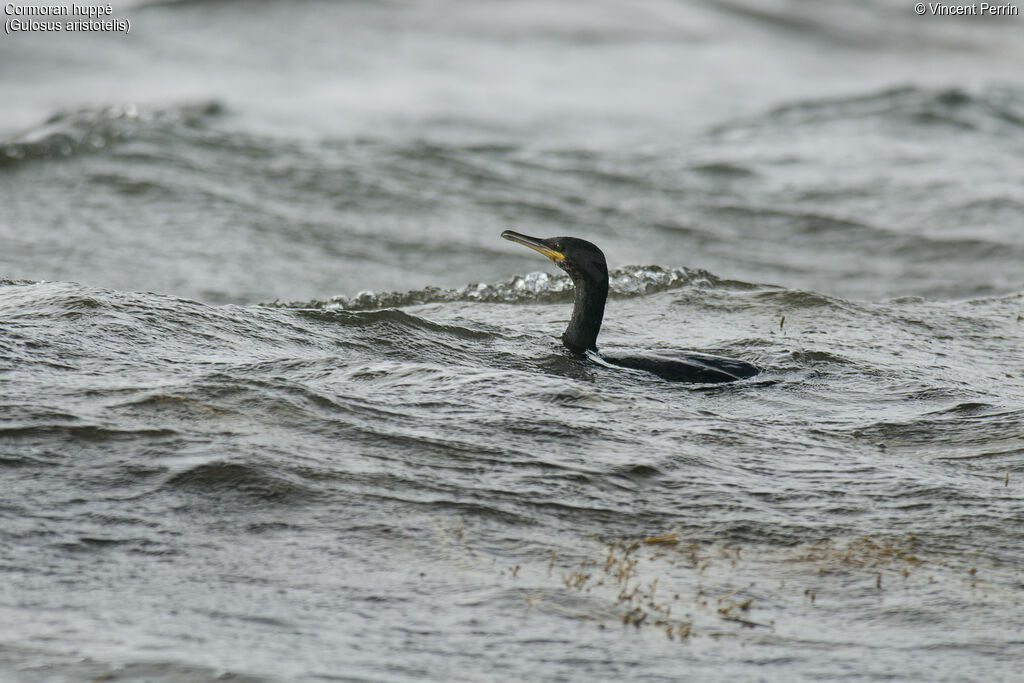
(989, 109)
(538, 287)
(86, 130)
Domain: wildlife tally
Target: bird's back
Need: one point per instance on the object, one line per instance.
(691, 368)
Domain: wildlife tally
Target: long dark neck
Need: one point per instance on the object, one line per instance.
(587, 313)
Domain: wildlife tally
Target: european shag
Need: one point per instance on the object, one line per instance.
(586, 265)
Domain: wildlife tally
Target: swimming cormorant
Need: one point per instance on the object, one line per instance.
(586, 265)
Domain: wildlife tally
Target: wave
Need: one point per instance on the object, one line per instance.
(258, 481)
(628, 281)
(993, 108)
(88, 130)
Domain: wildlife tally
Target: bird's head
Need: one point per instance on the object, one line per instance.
(583, 261)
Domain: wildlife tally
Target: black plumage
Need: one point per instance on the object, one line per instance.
(586, 265)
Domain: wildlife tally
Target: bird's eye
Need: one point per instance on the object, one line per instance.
(558, 246)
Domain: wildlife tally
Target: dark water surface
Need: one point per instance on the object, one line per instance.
(256, 423)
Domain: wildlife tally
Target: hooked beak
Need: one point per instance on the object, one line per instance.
(535, 244)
